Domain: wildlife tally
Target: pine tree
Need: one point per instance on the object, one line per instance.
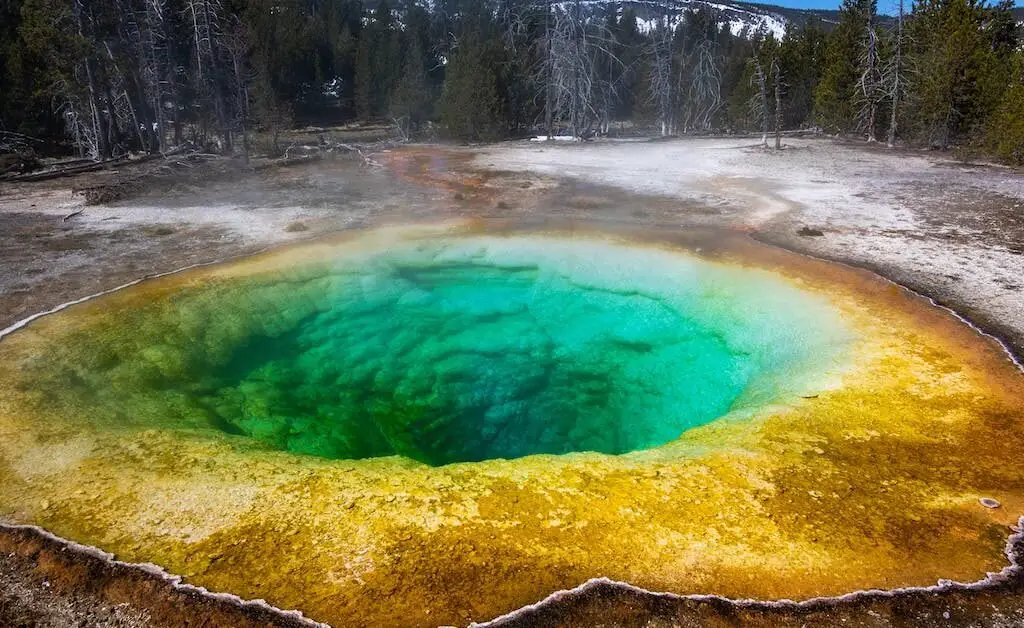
(341, 33)
(869, 91)
(765, 77)
(835, 97)
(700, 71)
(54, 33)
(894, 76)
(1005, 129)
(411, 102)
(959, 75)
(628, 50)
(800, 60)
(119, 75)
(470, 103)
(26, 73)
(378, 64)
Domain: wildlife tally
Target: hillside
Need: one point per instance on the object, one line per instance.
(742, 17)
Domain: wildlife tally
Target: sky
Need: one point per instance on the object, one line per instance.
(883, 5)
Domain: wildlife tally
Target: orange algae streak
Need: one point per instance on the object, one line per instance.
(871, 483)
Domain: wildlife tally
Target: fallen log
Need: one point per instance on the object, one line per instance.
(62, 172)
(286, 162)
(77, 168)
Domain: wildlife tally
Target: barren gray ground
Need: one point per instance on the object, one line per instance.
(47, 260)
(951, 231)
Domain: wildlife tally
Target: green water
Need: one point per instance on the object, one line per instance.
(457, 350)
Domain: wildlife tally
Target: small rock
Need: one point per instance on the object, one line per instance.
(807, 231)
(988, 502)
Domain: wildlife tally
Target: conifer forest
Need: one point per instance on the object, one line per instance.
(101, 78)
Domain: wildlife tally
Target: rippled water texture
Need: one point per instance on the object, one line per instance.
(454, 350)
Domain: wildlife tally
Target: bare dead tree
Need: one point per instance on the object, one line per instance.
(236, 43)
(200, 18)
(12, 142)
(549, 70)
(777, 80)
(97, 136)
(153, 48)
(662, 87)
(869, 84)
(148, 29)
(609, 74)
(759, 102)
(572, 74)
(204, 21)
(610, 70)
(132, 72)
(892, 76)
(529, 53)
(576, 48)
(78, 121)
(120, 100)
(579, 78)
(704, 93)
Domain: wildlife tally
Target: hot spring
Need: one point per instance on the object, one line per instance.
(434, 425)
(455, 350)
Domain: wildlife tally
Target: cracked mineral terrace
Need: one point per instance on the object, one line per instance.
(952, 232)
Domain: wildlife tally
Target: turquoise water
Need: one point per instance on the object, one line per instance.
(464, 350)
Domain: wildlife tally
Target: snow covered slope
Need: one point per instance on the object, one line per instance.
(743, 18)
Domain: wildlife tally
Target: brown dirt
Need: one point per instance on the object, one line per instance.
(46, 583)
(604, 604)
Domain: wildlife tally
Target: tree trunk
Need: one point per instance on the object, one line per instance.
(237, 49)
(897, 61)
(871, 83)
(95, 110)
(579, 98)
(871, 123)
(99, 121)
(778, 106)
(762, 89)
(549, 97)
